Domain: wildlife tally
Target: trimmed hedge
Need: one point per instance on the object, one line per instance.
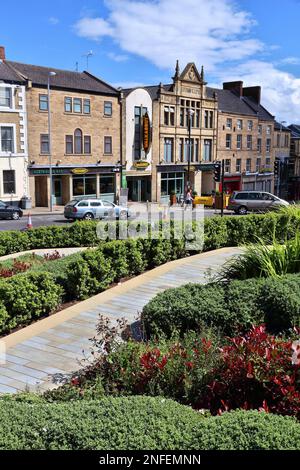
(139, 423)
(231, 307)
(229, 231)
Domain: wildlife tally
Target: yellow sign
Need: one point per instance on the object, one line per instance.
(146, 133)
(79, 171)
(192, 168)
(141, 164)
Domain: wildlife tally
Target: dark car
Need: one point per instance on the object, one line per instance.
(9, 212)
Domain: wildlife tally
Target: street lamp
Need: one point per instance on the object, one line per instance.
(50, 74)
(282, 123)
(191, 113)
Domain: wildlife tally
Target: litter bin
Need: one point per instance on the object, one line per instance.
(26, 203)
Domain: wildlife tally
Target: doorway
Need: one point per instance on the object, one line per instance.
(57, 191)
(139, 188)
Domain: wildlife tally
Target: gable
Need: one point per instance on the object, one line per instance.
(191, 74)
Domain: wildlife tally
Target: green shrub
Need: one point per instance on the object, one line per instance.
(27, 297)
(232, 307)
(138, 423)
(248, 430)
(107, 424)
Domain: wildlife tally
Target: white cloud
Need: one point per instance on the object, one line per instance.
(217, 33)
(117, 57)
(53, 20)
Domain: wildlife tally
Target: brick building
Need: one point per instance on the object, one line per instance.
(13, 135)
(85, 134)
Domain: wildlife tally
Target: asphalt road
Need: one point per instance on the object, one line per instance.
(54, 219)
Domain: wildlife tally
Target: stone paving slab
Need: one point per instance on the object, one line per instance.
(55, 346)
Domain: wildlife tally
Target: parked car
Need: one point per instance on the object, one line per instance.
(93, 208)
(8, 211)
(242, 202)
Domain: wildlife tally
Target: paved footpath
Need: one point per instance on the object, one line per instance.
(38, 356)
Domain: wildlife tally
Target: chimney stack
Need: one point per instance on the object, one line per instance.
(253, 92)
(2, 53)
(234, 87)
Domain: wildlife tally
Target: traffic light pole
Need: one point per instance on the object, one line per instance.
(222, 185)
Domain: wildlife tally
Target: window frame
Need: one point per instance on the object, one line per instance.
(11, 97)
(14, 182)
(68, 143)
(87, 140)
(110, 143)
(44, 141)
(228, 142)
(14, 149)
(80, 101)
(46, 101)
(111, 108)
(75, 142)
(86, 102)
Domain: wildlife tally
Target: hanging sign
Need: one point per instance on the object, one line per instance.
(146, 133)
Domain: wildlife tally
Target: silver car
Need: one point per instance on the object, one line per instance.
(242, 202)
(89, 209)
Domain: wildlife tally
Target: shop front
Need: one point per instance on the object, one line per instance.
(139, 188)
(71, 183)
(231, 184)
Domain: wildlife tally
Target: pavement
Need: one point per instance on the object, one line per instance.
(39, 356)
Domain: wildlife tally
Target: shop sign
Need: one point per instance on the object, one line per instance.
(46, 171)
(146, 133)
(79, 171)
(141, 164)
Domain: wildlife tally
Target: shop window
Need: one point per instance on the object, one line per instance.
(107, 184)
(172, 182)
(84, 186)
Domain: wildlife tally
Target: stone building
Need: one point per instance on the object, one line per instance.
(179, 110)
(294, 172)
(85, 134)
(245, 138)
(13, 135)
(282, 147)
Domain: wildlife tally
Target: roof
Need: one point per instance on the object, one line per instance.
(280, 127)
(152, 90)
(295, 129)
(229, 102)
(8, 74)
(262, 113)
(83, 81)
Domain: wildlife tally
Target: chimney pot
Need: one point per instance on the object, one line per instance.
(2, 53)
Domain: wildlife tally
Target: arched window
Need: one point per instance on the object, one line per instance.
(78, 141)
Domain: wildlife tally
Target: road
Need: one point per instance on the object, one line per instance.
(56, 219)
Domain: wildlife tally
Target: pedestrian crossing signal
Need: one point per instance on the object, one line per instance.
(217, 172)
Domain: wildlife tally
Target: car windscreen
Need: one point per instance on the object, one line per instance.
(72, 203)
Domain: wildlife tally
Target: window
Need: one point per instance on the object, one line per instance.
(84, 186)
(227, 166)
(239, 124)
(268, 146)
(228, 123)
(107, 184)
(87, 106)
(268, 162)
(239, 140)
(211, 119)
(87, 144)
(77, 105)
(268, 130)
(259, 145)
(278, 140)
(248, 165)
(286, 141)
(137, 131)
(250, 125)
(69, 144)
(78, 141)
(43, 102)
(185, 107)
(45, 148)
(169, 116)
(207, 149)
(9, 182)
(107, 108)
(258, 165)
(68, 105)
(5, 97)
(168, 150)
(7, 139)
(172, 182)
(260, 129)
(238, 165)
(228, 141)
(108, 145)
(249, 142)
(196, 150)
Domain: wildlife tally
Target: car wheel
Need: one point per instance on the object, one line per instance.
(242, 210)
(15, 215)
(123, 215)
(88, 216)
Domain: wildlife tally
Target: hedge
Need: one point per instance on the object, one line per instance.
(139, 423)
(231, 307)
(229, 231)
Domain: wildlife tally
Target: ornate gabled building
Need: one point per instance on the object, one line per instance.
(184, 126)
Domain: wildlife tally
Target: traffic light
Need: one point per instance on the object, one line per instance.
(277, 167)
(217, 172)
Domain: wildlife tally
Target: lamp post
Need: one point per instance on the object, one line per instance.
(190, 114)
(50, 74)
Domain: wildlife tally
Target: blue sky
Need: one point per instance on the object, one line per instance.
(137, 41)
